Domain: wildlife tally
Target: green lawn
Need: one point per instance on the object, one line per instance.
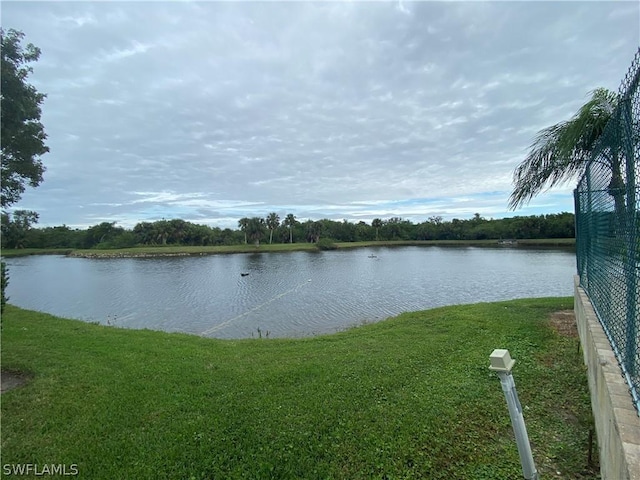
(409, 397)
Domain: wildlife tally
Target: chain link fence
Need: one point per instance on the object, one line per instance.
(607, 224)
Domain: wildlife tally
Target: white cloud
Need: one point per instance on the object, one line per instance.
(78, 21)
(116, 54)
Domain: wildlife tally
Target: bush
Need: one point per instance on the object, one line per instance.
(124, 240)
(326, 244)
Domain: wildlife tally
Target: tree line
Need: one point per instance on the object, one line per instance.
(19, 231)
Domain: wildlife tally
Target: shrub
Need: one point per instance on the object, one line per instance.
(124, 240)
(326, 244)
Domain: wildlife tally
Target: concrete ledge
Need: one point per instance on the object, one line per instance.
(616, 419)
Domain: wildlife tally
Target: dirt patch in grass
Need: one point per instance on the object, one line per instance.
(12, 379)
(564, 322)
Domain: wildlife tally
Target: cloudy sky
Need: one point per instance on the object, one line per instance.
(212, 111)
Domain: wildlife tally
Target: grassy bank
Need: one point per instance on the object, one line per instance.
(171, 250)
(409, 397)
(23, 252)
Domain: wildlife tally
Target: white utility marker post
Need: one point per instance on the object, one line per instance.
(502, 363)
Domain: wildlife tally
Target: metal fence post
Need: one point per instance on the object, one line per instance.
(502, 363)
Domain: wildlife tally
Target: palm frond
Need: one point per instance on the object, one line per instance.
(561, 152)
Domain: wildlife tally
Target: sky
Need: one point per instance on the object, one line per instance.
(213, 111)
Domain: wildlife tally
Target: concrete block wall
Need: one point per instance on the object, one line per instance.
(616, 419)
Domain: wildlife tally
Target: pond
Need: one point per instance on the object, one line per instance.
(289, 294)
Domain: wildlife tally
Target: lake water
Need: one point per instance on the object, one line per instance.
(284, 294)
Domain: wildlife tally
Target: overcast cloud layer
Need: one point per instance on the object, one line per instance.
(211, 111)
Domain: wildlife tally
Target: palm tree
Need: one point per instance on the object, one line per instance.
(376, 223)
(242, 224)
(255, 229)
(561, 152)
(273, 222)
(144, 233)
(177, 230)
(313, 231)
(290, 221)
(161, 229)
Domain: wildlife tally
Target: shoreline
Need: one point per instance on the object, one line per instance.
(183, 251)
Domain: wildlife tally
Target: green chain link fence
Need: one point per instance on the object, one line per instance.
(607, 225)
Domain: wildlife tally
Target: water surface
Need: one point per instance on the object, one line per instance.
(284, 294)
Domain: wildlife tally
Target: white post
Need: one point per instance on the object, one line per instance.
(502, 363)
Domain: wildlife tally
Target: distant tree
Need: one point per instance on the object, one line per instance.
(561, 152)
(145, 233)
(273, 222)
(102, 233)
(243, 223)
(200, 234)
(228, 237)
(161, 231)
(363, 232)
(56, 237)
(283, 233)
(255, 229)
(477, 219)
(561, 225)
(290, 221)
(376, 223)
(16, 226)
(426, 231)
(121, 239)
(396, 229)
(218, 235)
(21, 132)
(452, 230)
(529, 227)
(108, 235)
(313, 231)
(344, 231)
(178, 229)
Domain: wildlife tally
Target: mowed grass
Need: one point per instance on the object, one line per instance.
(409, 397)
